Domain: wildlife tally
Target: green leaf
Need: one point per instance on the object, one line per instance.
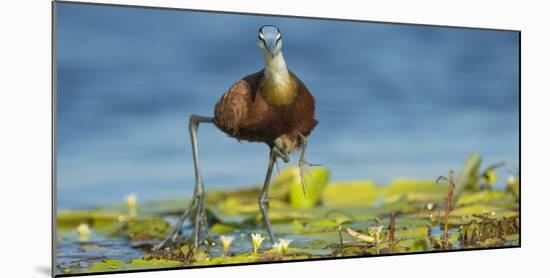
(468, 178)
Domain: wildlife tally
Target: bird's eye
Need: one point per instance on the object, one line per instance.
(261, 36)
(278, 37)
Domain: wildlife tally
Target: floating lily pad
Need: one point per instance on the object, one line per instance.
(115, 224)
(223, 228)
(416, 233)
(402, 186)
(361, 193)
(144, 229)
(70, 219)
(487, 197)
(118, 265)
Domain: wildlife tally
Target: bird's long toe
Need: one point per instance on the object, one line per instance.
(196, 208)
(303, 166)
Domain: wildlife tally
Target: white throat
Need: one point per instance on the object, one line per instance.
(275, 69)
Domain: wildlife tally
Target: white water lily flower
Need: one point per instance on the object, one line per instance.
(122, 218)
(511, 180)
(279, 247)
(83, 231)
(430, 206)
(282, 246)
(377, 229)
(257, 240)
(131, 201)
(226, 242)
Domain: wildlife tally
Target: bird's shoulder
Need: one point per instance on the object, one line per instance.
(245, 88)
(301, 87)
(233, 109)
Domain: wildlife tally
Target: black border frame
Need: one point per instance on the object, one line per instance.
(54, 119)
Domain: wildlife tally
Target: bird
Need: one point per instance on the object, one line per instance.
(271, 106)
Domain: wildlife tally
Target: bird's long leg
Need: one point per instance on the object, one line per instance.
(302, 163)
(198, 195)
(263, 200)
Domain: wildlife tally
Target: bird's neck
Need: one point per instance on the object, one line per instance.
(279, 87)
(275, 68)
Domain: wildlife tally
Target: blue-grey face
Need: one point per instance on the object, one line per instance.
(270, 39)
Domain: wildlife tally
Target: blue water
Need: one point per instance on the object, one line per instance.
(392, 100)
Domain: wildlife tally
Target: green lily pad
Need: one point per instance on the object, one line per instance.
(487, 197)
(323, 223)
(315, 252)
(222, 228)
(413, 245)
(118, 265)
(403, 186)
(234, 259)
(416, 232)
(361, 193)
(144, 229)
(70, 219)
(115, 224)
(156, 207)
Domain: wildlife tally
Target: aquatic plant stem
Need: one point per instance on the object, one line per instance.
(340, 236)
(392, 230)
(448, 208)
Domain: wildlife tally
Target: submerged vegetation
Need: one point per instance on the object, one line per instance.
(334, 219)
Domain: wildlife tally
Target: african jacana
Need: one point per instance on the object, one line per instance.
(271, 106)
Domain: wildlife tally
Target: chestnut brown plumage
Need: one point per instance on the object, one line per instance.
(272, 106)
(244, 113)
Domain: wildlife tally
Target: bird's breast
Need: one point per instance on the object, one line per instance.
(279, 92)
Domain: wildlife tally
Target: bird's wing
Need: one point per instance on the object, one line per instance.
(232, 110)
(306, 106)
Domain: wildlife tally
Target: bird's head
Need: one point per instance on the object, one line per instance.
(270, 40)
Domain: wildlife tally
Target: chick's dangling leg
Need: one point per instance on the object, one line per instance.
(196, 206)
(281, 149)
(303, 163)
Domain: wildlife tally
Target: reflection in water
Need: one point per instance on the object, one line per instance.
(81, 255)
